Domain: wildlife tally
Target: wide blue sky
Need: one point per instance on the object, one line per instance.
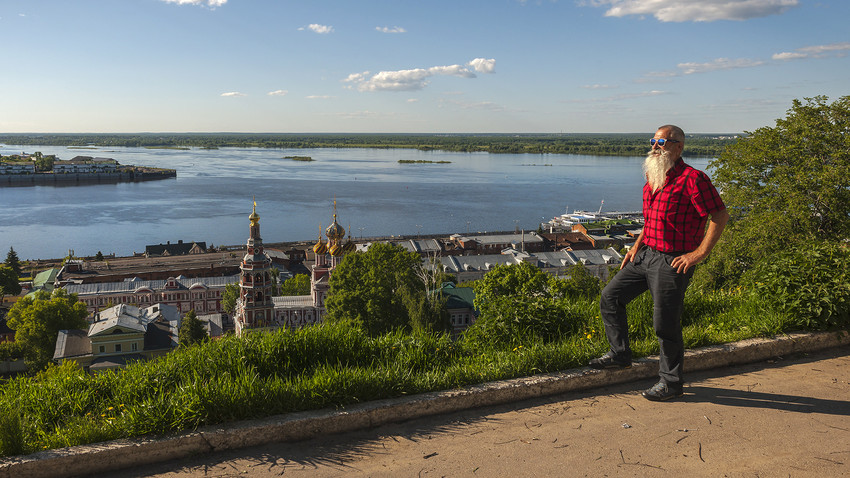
(428, 66)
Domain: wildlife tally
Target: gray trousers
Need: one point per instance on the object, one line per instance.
(649, 270)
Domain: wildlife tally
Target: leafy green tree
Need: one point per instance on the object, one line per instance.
(229, 297)
(522, 279)
(191, 329)
(44, 163)
(37, 321)
(579, 283)
(519, 304)
(9, 284)
(297, 285)
(98, 256)
(375, 288)
(783, 186)
(13, 261)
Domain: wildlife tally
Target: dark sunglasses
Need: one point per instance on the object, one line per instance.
(662, 142)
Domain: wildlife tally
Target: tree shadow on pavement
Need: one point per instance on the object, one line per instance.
(333, 452)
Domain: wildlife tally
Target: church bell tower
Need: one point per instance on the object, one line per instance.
(254, 308)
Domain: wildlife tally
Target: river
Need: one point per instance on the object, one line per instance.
(211, 198)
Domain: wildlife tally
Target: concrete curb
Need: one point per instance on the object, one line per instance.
(89, 459)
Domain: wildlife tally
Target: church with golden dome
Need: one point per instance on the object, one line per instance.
(256, 308)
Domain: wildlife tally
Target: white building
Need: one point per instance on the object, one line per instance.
(202, 294)
(120, 335)
(17, 167)
(85, 164)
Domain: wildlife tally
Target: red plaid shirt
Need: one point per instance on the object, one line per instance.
(675, 215)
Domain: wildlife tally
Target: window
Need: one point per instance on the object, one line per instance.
(102, 349)
(117, 347)
(134, 346)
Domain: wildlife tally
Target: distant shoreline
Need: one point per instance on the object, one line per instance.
(596, 144)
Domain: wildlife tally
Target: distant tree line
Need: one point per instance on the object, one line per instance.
(632, 144)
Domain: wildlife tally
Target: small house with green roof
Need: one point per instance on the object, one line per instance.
(459, 305)
(44, 280)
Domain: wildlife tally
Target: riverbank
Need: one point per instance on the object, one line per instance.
(47, 179)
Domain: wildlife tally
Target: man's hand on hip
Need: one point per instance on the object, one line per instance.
(683, 263)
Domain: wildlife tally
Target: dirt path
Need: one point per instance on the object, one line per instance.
(787, 417)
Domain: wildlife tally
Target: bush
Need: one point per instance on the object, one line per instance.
(809, 283)
(520, 320)
(10, 351)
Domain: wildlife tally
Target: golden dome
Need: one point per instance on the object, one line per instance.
(336, 250)
(254, 217)
(349, 246)
(335, 231)
(320, 247)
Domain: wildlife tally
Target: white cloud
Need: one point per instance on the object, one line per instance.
(690, 68)
(319, 97)
(277, 93)
(598, 87)
(391, 30)
(816, 51)
(696, 10)
(231, 94)
(412, 100)
(451, 70)
(320, 29)
(417, 78)
(402, 80)
(789, 56)
(718, 64)
(483, 65)
(209, 3)
(356, 77)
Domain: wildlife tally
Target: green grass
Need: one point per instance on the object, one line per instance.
(328, 365)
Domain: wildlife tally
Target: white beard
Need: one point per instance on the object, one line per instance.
(656, 165)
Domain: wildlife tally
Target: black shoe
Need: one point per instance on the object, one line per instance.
(609, 361)
(662, 391)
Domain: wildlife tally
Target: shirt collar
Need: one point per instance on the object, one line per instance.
(677, 168)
